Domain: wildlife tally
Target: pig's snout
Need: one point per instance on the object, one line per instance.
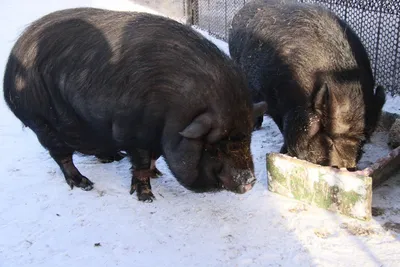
(239, 181)
(241, 189)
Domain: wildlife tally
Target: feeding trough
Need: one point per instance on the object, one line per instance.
(338, 190)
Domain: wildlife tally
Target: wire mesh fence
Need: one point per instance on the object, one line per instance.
(377, 22)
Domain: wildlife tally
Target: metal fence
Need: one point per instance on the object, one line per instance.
(377, 22)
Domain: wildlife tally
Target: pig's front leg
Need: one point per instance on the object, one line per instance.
(141, 173)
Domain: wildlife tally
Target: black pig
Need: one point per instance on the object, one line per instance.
(99, 82)
(315, 75)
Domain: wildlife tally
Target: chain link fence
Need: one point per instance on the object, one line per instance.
(377, 23)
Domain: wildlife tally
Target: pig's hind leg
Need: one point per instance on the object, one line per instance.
(141, 173)
(60, 152)
(155, 172)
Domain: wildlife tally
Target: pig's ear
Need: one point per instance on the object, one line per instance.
(199, 127)
(314, 127)
(322, 99)
(259, 109)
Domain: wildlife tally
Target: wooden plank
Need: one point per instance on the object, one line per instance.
(349, 193)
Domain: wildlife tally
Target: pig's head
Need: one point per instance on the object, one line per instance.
(332, 130)
(212, 158)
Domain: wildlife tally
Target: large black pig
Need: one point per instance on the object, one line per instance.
(99, 82)
(315, 75)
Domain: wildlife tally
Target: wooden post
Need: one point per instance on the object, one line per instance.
(192, 9)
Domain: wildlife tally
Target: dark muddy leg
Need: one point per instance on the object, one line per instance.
(141, 173)
(71, 173)
(104, 158)
(61, 153)
(284, 146)
(155, 172)
(279, 122)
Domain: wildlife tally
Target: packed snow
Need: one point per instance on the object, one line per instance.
(45, 223)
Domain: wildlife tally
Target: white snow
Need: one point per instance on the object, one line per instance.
(44, 223)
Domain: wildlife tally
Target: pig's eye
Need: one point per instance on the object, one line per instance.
(232, 143)
(331, 145)
(237, 138)
(211, 149)
(231, 146)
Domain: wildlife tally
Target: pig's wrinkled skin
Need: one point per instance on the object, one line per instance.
(99, 82)
(315, 75)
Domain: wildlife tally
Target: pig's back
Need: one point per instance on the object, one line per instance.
(112, 73)
(307, 38)
(96, 55)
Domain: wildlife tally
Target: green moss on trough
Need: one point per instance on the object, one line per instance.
(322, 194)
(279, 177)
(299, 190)
(320, 186)
(349, 200)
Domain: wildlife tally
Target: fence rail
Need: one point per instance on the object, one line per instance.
(377, 22)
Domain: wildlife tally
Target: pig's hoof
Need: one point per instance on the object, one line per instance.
(258, 124)
(156, 173)
(146, 196)
(119, 156)
(110, 158)
(143, 192)
(105, 160)
(81, 182)
(133, 189)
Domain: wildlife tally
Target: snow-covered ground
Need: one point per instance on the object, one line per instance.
(44, 223)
